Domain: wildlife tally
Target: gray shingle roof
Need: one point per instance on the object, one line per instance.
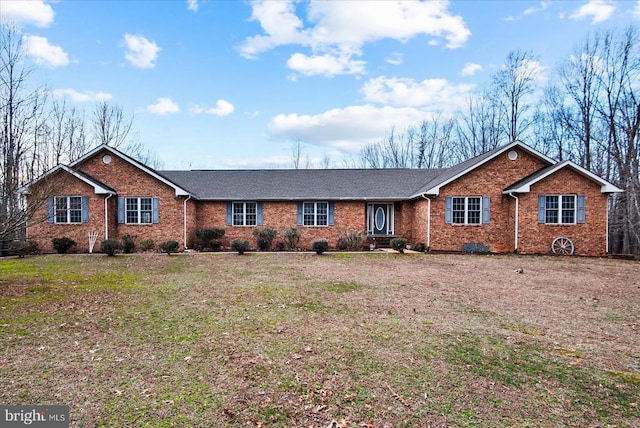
(303, 184)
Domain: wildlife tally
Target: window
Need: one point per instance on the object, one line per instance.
(138, 210)
(315, 214)
(466, 210)
(561, 209)
(245, 213)
(68, 209)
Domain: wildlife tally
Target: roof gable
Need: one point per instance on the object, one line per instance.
(180, 191)
(524, 185)
(98, 187)
(433, 187)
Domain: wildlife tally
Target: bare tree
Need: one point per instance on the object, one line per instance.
(478, 129)
(296, 154)
(512, 84)
(20, 107)
(110, 125)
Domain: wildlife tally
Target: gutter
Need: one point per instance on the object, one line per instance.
(424, 195)
(515, 250)
(185, 221)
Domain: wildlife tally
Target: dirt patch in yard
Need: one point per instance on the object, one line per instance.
(303, 340)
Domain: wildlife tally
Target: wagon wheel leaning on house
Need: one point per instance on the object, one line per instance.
(562, 246)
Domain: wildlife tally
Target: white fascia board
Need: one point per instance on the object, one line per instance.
(98, 189)
(179, 191)
(605, 186)
(435, 191)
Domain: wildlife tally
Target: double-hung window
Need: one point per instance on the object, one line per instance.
(561, 209)
(466, 210)
(315, 214)
(138, 210)
(245, 213)
(67, 209)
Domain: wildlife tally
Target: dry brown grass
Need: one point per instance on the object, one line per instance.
(303, 340)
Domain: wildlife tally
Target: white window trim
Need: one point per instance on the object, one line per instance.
(559, 210)
(466, 211)
(244, 214)
(67, 210)
(138, 210)
(315, 214)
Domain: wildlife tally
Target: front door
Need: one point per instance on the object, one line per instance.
(380, 219)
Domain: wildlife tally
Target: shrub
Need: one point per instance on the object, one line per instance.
(128, 243)
(147, 244)
(292, 237)
(351, 240)
(240, 245)
(264, 238)
(280, 246)
(110, 246)
(62, 245)
(399, 244)
(208, 237)
(420, 247)
(320, 245)
(169, 247)
(23, 248)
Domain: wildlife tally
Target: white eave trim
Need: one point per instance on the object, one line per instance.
(605, 186)
(179, 190)
(435, 191)
(97, 188)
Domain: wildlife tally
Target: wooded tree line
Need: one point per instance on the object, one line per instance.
(588, 112)
(38, 133)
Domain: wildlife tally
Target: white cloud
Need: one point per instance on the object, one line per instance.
(192, 5)
(395, 58)
(470, 69)
(598, 10)
(222, 108)
(163, 106)
(141, 52)
(325, 65)
(35, 12)
(342, 28)
(636, 9)
(438, 94)
(43, 52)
(346, 129)
(81, 97)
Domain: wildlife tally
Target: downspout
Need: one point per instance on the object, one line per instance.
(515, 250)
(106, 217)
(606, 240)
(185, 221)
(428, 221)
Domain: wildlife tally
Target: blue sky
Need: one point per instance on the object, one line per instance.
(234, 84)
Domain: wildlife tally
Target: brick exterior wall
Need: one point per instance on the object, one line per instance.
(128, 181)
(588, 238)
(281, 216)
(410, 217)
(490, 180)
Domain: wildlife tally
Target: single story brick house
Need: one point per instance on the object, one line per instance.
(510, 199)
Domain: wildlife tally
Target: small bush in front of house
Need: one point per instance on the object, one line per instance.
(240, 245)
(292, 237)
(23, 248)
(208, 237)
(351, 240)
(398, 244)
(64, 244)
(169, 247)
(280, 246)
(128, 243)
(110, 247)
(264, 238)
(147, 244)
(420, 247)
(320, 245)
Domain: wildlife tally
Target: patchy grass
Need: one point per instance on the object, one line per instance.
(299, 340)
